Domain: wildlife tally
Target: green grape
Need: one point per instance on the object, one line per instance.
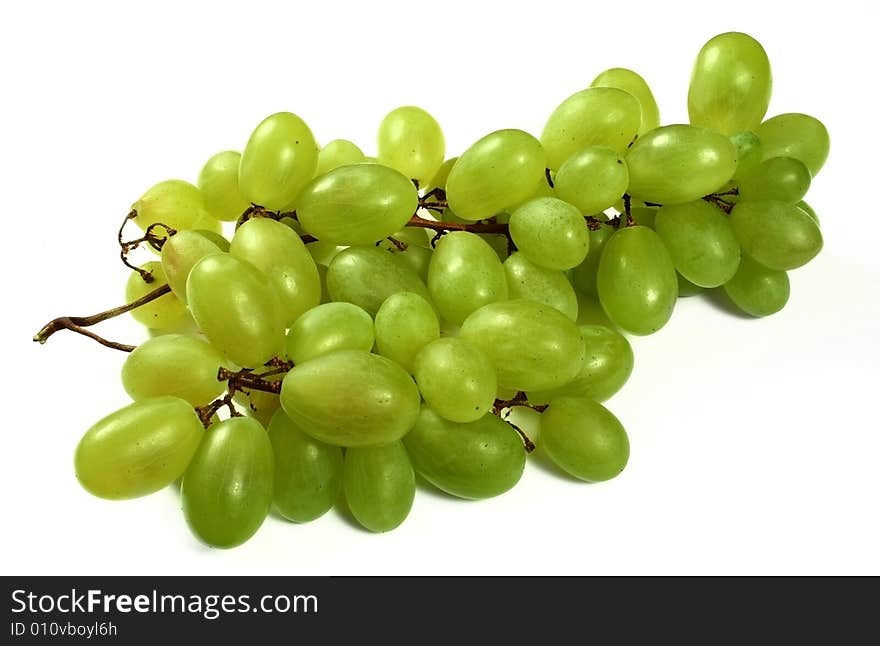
(551, 233)
(592, 179)
(584, 439)
(533, 346)
(800, 136)
(700, 242)
(442, 174)
(351, 398)
(527, 280)
(636, 280)
(418, 259)
(583, 277)
(308, 473)
(806, 208)
(259, 404)
(598, 116)
(357, 204)
(634, 84)
(138, 449)
(480, 459)
(456, 379)
(164, 312)
(277, 251)
(757, 290)
(215, 237)
(227, 488)
(173, 364)
(379, 485)
(218, 181)
(339, 152)
(174, 203)
(687, 288)
(278, 161)
(323, 253)
(676, 164)
(410, 140)
(730, 85)
(410, 236)
(405, 323)
(542, 189)
(208, 224)
(328, 328)
(417, 254)
(497, 172)
(749, 153)
(608, 366)
(645, 216)
(236, 307)
(181, 252)
(366, 276)
(778, 235)
(778, 178)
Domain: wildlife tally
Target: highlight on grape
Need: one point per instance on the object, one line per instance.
(374, 318)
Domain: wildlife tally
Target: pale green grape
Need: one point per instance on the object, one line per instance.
(218, 181)
(636, 280)
(164, 312)
(181, 252)
(806, 208)
(779, 178)
(533, 346)
(730, 85)
(227, 488)
(796, 135)
(551, 233)
(351, 398)
(700, 242)
(456, 379)
(497, 172)
(379, 485)
(776, 234)
(138, 449)
(410, 140)
(366, 276)
(480, 459)
(208, 224)
(277, 251)
(442, 174)
(416, 258)
(464, 274)
(584, 439)
(583, 277)
(687, 288)
(214, 236)
(629, 81)
(592, 179)
(174, 203)
(278, 161)
(357, 204)
(327, 328)
(237, 308)
(417, 255)
(527, 280)
(757, 290)
(749, 153)
(598, 116)
(405, 323)
(308, 473)
(410, 236)
(339, 152)
(676, 164)
(645, 216)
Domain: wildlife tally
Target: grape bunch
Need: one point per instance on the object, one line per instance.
(374, 319)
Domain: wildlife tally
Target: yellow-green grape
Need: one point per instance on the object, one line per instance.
(464, 274)
(551, 233)
(480, 459)
(173, 364)
(174, 203)
(757, 290)
(528, 281)
(278, 161)
(533, 346)
(308, 473)
(259, 404)
(456, 379)
(218, 181)
(676, 164)
(227, 488)
(583, 277)
(208, 224)
(779, 178)
(237, 308)
(700, 241)
(323, 253)
(277, 251)
(380, 485)
(730, 84)
(499, 171)
(405, 323)
(366, 276)
(806, 208)
(645, 216)
(796, 135)
(215, 237)
(415, 257)
(181, 252)
(339, 152)
(598, 116)
(636, 280)
(749, 153)
(162, 313)
(592, 179)
(687, 288)
(138, 449)
(411, 141)
(328, 328)
(584, 439)
(442, 174)
(351, 398)
(776, 234)
(633, 83)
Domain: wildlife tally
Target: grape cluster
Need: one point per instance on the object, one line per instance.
(377, 318)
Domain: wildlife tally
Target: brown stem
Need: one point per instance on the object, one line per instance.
(247, 380)
(474, 227)
(549, 177)
(519, 399)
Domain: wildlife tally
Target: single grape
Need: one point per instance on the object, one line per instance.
(583, 277)
(163, 313)
(181, 252)
(778, 235)
(778, 178)
(410, 140)
(633, 83)
(218, 181)
(749, 153)
(800, 136)
(405, 323)
(551, 233)
(442, 174)
(339, 152)
(174, 203)
(806, 208)
(528, 281)
(757, 290)
(379, 485)
(328, 328)
(592, 179)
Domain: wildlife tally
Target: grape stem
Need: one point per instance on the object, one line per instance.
(150, 237)
(501, 408)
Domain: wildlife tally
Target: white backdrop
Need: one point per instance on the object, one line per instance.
(755, 443)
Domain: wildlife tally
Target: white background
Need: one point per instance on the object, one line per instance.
(755, 443)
